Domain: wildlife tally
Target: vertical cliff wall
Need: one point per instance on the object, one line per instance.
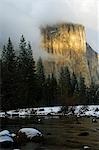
(65, 44)
(93, 63)
(59, 39)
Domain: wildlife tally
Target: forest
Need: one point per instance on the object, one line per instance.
(24, 83)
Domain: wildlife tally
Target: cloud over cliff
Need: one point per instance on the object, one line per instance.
(25, 16)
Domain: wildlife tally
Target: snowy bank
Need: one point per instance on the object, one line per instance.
(80, 110)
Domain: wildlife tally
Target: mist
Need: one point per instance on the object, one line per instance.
(25, 17)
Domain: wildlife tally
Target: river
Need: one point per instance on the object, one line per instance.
(60, 133)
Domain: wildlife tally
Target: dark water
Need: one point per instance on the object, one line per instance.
(14, 124)
(60, 133)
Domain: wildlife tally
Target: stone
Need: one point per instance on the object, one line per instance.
(29, 134)
(6, 140)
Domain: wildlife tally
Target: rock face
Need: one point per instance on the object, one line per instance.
(66, 45)
(93, 63)
(59, 39)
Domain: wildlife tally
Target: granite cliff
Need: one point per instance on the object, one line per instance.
(66, 45)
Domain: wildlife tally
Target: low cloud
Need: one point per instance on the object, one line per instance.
(26, 16)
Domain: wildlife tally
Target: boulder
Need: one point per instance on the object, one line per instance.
(5, 132)
(29, 134)
(6, 140)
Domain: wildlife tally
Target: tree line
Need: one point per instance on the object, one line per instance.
(24, 83)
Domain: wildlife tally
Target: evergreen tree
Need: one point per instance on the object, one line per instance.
(97, 94)
(91, 94)
(27, 76)
(53, 90)
(76, 94)
(47, 96)
(8, 76)
(40, 72)
(74, 82)
(40, 80)
(82, 90)
(65, 84)
(62, 83)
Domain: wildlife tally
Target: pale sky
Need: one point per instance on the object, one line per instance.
(19, 17)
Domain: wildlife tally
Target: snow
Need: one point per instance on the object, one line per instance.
(47, 110)
(30, 132)
(90, 110)
(23, 113)
(13, 135)
(86, 147)
(80, 110)
(2, 114)
(5, 136)
(5, 132)
(13, 113)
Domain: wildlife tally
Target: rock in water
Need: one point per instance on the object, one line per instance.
(5, 132)
(29, 134)
(94, 120)
(6, 140)
(86, 147)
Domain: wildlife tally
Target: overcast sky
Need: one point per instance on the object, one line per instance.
(25, 16)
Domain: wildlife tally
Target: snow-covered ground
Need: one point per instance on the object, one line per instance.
(81, 110)
(90, 110)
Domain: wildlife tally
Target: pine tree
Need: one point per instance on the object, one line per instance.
(8, 76)
(65, 80)
(62, 81)
(74, 82)
(82, 90)
(47, 96)
(40, 71)
(27, 76)
(53, 90)
(40, 80)
(76, 94)
(65, 84)
(31, 78)
(91, 94)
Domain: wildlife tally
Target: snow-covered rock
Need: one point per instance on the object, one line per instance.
(2, 114)
(6, 139)
(29, 134)
(5, 132)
